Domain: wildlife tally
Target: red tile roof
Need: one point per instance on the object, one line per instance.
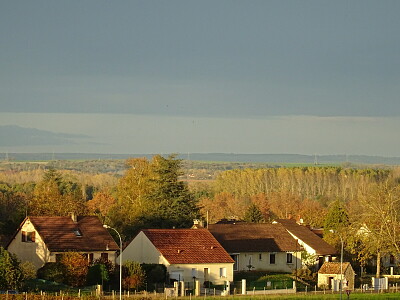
(188, 246)
(254, 237)
(333, 268)
(307, 236)
(58, 234)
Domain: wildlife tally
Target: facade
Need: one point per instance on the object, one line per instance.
(319, 250)
(330, 272)
(43, 239)
(264, 247)
(188, 254)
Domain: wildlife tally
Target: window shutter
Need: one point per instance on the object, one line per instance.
(23, 236)
(33, 233)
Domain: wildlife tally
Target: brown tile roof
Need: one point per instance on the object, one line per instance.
(188, 246)
(308, 237)
(58, 234)
(249, 237)
(333, 268)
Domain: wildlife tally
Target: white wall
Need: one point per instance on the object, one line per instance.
(34, 252)
(261, 261)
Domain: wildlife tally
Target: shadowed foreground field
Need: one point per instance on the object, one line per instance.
(354, 296)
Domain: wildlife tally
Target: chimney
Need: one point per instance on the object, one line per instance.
(197, 224)
(74, 218)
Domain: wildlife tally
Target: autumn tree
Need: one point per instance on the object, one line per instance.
(57, 196)
(376, 224)
(75, 268)
(133, 275)
(101, 204)
(261, 202)
(223, 206)
(150, 194)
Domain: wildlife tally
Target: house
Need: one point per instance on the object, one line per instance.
(44, 239)
(259, 246)
(331, 271)
(188, 254)
(319, 250)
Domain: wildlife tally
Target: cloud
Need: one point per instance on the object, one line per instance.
(15, 136)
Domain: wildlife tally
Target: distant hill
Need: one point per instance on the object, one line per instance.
(215, 157)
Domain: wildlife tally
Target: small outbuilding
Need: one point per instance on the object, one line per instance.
(330, 273)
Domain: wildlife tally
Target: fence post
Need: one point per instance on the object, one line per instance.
(243, 286)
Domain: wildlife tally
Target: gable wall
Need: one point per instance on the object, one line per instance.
(140, 249)
(34, 252)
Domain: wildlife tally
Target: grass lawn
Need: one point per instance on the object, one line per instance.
(353, 296)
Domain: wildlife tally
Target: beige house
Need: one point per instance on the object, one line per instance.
(43, 239)
(188, 254)
(259, 246)
(318, 250)
(330, 272)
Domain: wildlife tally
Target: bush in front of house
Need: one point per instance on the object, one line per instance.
(52, 271)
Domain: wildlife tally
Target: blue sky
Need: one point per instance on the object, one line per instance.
(200, 76)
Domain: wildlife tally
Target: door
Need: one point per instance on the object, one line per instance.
(206, 275)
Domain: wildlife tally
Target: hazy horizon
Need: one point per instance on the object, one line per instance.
(278, 76)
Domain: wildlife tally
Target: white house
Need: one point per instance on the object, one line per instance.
(188, 254)
(43, 239)
(331, 271)
(259, 246)
(316, 247)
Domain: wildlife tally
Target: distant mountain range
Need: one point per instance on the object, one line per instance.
(215, 157)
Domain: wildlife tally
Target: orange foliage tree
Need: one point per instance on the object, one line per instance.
(75, 267)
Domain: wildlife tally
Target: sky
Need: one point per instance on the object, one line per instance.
(304, 77)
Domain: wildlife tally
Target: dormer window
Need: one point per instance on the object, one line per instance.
(77, 232)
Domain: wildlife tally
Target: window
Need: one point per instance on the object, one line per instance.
(91, 256)
(28, 236)
(235, 257)
(222, 272)
(272, 258)
(260, 256)
(194, 272)
(104, 256)
(77, 232)
(289, 258)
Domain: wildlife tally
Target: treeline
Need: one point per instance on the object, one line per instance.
(149, 194)
(152, 194)
(304, 192)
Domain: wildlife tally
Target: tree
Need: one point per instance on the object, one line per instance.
(253, 214)
(97, 274)
(150, 194)
(11, 273)
(133, 275)
(376, 226)
(75, 267)
(12, 208)
(101, 204)
(55, 195)
(336, 223)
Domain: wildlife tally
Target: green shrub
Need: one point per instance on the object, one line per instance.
(97, 274)
(52, 271)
